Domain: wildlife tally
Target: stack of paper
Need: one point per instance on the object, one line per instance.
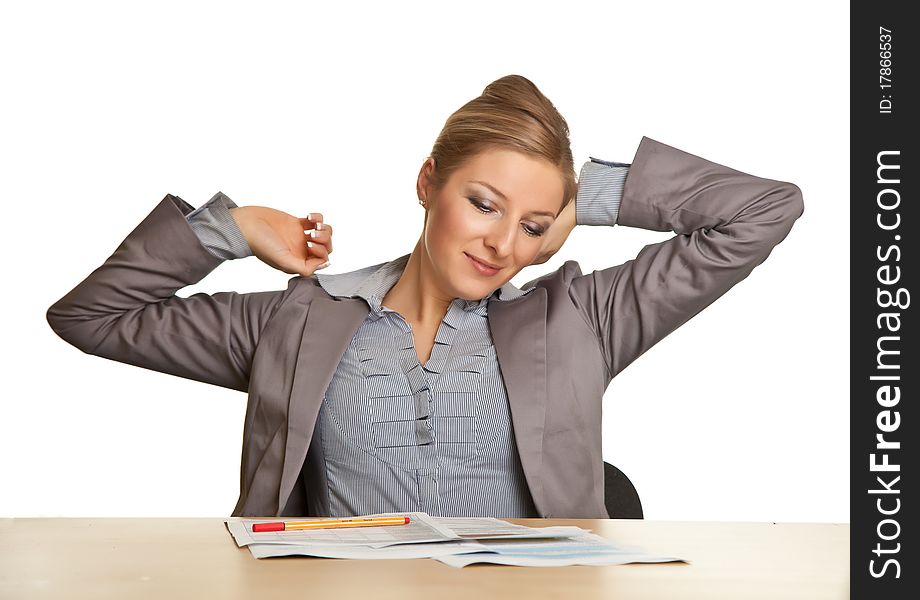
(454, 541)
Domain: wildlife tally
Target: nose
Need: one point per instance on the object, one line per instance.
(500, 238)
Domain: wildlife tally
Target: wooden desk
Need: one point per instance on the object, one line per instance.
(197, 558)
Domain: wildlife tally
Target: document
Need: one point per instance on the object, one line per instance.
(421, 528)
(480, 528)
(582, 549)
(365, 553)
(454, 541)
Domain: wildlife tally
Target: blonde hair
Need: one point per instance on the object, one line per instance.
(512, 114)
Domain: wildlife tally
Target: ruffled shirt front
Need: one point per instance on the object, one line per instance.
(396, 435)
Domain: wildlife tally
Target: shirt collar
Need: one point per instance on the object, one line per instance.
(372, 283)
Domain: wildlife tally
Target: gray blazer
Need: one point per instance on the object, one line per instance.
(558, 347)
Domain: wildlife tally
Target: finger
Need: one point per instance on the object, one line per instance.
(323, 235)
(318, 245)
(311, 220)
(316, 264)
(317, 250)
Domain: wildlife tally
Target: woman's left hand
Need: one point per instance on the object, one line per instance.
(556, 235)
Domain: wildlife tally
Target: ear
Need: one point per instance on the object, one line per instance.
(423, 184)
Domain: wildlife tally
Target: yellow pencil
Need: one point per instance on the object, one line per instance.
(329, 523)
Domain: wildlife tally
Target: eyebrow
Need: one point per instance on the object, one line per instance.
(505, 198)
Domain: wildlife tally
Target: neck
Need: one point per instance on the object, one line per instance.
(415, 296)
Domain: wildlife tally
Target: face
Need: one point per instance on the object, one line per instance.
(494, 209)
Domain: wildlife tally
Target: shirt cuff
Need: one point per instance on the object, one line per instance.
(600, 189)
(217, 230)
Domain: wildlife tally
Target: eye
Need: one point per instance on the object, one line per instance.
(479, 205)
(534, 232)
(531, 231)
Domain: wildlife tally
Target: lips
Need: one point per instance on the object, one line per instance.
(483, 267)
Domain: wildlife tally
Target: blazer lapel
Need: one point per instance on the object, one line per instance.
(519, 333)
(330, 326)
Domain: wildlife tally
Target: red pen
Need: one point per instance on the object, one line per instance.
(329, 523)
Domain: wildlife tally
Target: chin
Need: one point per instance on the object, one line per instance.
(468, 290)
(474, 295)
(474, 292)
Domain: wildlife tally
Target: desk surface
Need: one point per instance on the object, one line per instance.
(172, 558)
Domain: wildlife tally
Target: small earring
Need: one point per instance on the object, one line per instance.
(422, 202)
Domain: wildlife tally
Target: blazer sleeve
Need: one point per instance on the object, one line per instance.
(126, 310)
(727, 222)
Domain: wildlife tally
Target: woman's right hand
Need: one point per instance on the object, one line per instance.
(283, 241)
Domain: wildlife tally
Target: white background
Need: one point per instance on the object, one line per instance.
(740, 414)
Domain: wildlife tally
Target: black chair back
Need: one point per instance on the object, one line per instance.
(620, 495)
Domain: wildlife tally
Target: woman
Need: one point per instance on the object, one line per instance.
(430, 382)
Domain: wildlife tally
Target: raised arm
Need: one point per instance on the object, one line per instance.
(126, 310)
(727, 222)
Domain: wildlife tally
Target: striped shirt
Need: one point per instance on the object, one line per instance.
(399, 436)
